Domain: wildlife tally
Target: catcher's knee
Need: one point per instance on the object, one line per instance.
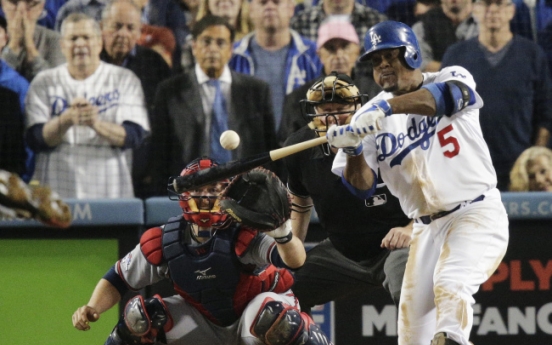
(143, 321)
(279, 323)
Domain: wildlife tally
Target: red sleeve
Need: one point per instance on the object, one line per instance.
(151, 245)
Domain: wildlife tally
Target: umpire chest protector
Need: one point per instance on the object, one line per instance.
(205, 275)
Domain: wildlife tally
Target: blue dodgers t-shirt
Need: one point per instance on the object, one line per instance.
(270, 66)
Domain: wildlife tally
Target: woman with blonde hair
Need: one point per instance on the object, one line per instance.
(532, 171)
(235, 11)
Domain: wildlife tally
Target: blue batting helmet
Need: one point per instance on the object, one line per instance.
(389, 35)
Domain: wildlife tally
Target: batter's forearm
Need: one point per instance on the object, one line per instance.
(113, 132)
(419, 102)
(358, 173)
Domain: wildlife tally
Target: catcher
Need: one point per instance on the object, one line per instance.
(18, 200)
(230, 290)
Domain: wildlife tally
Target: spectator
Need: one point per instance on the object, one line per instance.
(82, 116)
(235, 11)
(275, 53)
(531, 17)
(442, 26)
(164, 13)
(12, 146)
(307, 22)
(31, 48)
(422, 6)
(48, 16)
(512, 77)
(368, 239)
(338, 48)
(120, 31)
(92, 8)
(14, 91)
(159, 39)
(545, 41)
(190, 9)
(532, 171)
(3, 33)
(192, 110)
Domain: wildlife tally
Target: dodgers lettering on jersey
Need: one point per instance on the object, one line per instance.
(103, 100)
(417, 135)
(430, 164)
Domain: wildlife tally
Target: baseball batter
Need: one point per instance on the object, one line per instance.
(422, 133)
(368, 239)
(229, 288)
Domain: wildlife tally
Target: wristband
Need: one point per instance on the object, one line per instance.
(284, 240)
(353, 151)
(384, 106)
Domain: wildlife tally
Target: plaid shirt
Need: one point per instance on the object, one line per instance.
(308, 21)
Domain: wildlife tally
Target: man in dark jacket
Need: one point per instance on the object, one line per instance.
(193, 109)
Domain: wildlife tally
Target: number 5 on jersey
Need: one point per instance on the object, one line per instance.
(446, 139)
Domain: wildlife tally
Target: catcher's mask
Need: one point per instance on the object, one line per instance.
(201, 206)
(336, 89)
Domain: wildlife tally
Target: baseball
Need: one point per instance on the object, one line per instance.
(229, 140)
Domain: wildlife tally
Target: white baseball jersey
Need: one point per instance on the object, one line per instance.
(430, 163)
(85, 165)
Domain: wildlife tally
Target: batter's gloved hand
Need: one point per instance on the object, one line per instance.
(257, 199)
(368, 121)
(282, 234)
(344, 138)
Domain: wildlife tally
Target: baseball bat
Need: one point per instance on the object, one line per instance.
(204, 177)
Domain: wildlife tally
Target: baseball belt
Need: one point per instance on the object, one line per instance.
(428, 219)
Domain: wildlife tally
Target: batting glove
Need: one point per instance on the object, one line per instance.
(368, 120)
(282, 234)
(343, 137)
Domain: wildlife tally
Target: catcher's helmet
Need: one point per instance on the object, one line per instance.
(203, 208)
(332, 88)
(389, 35)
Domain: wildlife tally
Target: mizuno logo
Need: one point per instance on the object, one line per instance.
(202, 274)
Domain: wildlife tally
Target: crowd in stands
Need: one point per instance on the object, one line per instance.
(108, 98)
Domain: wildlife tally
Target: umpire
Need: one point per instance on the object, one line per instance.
(367, 244)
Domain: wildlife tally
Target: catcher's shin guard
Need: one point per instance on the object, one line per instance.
(143, 322)
(279, 323)
(441, 339)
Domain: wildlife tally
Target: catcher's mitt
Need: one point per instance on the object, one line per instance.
(257, 199)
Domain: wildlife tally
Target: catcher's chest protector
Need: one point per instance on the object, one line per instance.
(205, 275)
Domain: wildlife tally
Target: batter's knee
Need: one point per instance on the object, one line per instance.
(441, 339)
(279, 323)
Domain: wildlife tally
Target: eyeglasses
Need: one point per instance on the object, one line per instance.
(30, 3)
(207, 41)
(499, 3)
